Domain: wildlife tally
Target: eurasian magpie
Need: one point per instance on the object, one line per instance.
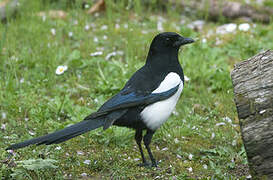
(145, 102)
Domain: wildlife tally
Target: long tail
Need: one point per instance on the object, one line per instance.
(62, 135)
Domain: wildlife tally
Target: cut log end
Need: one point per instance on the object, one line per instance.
(253, 92)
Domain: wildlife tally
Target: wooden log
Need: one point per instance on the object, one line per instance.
(253, 92)
(8, 9)
(216, 9)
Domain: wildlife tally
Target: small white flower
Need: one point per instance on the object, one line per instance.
(58, 148)
(244, 27)
(204, 40)
(3, 126)
(218, 41)
(86, 6)
(70, 34)
(234, 143)
(53, 31)
(221, 124)
(86, 27)
(176, 141)
(96, 14)
(83, 174)
(98, 53)
(14, 58)
(105, 37)
(249, 177)
(26, 119)
(104, 27)
(22, 80)
(80, 153)
(227, 119)
(75, 22)
(212, 135)
(160, 26)
(262, 111)
(190, 156)
(164, 149)
(205, 166)
(108, 56)
(178, 156)
(96, 39)
(31, 133)
(11, 152)
(186, 78)
(125, 26)
(4, 115)
(117, 26)
(136, 159)
(61, 69)
(190, 169)
(86, 161)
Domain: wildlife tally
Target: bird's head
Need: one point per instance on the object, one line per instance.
(169, 41)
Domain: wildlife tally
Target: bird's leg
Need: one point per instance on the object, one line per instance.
(147, 140)
(138, 138)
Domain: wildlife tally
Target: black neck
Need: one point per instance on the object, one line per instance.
(164, 62)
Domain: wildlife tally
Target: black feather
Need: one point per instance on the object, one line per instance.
(62, 135)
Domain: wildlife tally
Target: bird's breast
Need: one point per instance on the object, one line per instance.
(154, 115)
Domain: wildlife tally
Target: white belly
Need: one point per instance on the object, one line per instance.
(156, 114)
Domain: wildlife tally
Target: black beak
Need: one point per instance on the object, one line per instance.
(182, 41)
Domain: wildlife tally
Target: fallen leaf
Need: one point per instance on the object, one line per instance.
(98, 6)
(3, 3)
(55, 14)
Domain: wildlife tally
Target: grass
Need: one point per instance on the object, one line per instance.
(35, 101)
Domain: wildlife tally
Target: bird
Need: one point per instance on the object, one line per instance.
(144, 103)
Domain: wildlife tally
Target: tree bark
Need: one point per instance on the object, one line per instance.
(253, 90)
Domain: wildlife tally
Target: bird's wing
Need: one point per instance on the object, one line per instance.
(125, 100)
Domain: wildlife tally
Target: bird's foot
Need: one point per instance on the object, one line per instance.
(148, 164)
(145, 164)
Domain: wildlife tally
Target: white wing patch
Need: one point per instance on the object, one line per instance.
(156, 114)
